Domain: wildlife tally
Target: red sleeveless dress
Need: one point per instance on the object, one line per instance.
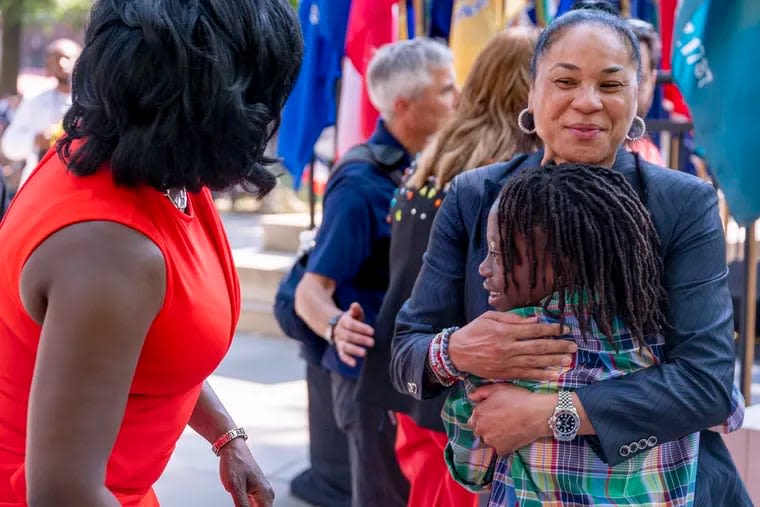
(185, 343)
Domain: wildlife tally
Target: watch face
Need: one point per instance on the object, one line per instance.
(566, 425)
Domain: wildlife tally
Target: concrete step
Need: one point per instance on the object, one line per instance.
(257, 317)
(281, 231)
(260, 272)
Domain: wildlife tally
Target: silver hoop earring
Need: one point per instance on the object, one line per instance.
(638, 129)
(521, 122)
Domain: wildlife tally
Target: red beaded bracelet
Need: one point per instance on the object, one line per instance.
(227, 438)
(437, 365)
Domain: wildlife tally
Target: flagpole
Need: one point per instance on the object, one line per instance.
(749, 311)
(312, 193)
(403, 20)
(500, 7)
(419, 18)
(625, 8)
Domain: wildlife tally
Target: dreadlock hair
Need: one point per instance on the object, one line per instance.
(603, 245)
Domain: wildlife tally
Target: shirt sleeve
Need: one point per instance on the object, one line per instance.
(470, 462)
(18, 138)
(345, 237)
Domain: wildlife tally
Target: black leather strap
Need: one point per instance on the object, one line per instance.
(389, 159)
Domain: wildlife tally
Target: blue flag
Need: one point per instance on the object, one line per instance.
(715, 67)
(312, 105)
(440, 19)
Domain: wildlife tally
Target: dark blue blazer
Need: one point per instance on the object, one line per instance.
(688, 393)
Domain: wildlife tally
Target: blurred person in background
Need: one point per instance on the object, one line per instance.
(483, 130)
(5, 196)
(37, 121)
(10, 171)
(8, 105)
(412, 84)
(650, 47)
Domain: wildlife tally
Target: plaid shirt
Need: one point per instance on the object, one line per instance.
(553, 473)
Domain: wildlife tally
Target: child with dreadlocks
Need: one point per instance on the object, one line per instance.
(574, 244)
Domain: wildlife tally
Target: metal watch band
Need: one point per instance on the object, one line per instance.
(227, 438)
(565, 401)
(559, 421)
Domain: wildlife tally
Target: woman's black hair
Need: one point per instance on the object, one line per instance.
(182, 93)
(601, 5)
(604, 248)
(587, 12)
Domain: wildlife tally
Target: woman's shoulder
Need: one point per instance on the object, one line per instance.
(496, 172)
(53, 198)
(671, 180)
(672, 193)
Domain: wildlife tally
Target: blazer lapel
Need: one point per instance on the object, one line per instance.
(625, 163)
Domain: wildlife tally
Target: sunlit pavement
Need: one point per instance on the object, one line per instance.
(261, 383)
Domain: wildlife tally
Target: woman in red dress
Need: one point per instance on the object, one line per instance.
(118, 295)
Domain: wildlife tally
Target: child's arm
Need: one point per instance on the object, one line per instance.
(470, 462)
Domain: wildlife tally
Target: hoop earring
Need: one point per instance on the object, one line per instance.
(638, 129)
(521, 122)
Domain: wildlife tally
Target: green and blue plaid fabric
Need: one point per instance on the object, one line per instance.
(553, 473)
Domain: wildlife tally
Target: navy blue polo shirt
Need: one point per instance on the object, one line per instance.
(354, 237)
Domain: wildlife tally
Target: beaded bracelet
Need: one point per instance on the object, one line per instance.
(451, 370)
(436, 365)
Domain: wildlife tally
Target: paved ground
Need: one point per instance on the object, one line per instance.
(261, 383)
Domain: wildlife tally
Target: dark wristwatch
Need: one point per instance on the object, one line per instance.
(331, 328)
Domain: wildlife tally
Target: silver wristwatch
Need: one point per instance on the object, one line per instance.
(330, 331)
(565, 421)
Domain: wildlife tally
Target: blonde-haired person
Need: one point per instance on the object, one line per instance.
(483, 130)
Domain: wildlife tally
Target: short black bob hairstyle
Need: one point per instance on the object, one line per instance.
(182, 93)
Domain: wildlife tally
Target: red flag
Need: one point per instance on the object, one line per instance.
(667, 19)
(370, 25)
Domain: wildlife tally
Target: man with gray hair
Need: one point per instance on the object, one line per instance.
(412, 84)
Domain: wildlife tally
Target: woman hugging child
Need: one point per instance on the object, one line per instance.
(573, 244)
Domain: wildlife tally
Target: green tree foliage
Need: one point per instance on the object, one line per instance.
(15, 13)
